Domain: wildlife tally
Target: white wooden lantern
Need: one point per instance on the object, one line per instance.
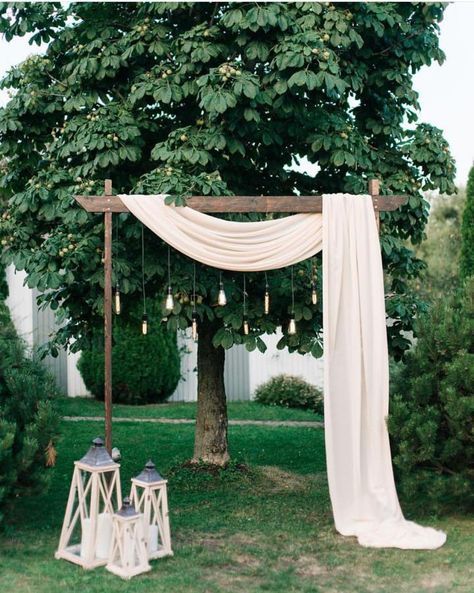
(149, 495)
(128, 555)
(94, 495)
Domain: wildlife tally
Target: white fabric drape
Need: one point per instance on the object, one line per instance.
(237, 246)
(360, 475)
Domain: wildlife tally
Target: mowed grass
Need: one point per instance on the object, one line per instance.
(239, 410)
(267, 530)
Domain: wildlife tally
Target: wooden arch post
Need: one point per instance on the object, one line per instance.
(108, 319)
(109, 203)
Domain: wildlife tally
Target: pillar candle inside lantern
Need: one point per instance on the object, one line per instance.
(85, 536)
(104, 535)
(152, 538)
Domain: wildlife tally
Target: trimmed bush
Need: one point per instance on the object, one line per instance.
(145, 369)
(28, 422)
(289, 391)
(432, 411)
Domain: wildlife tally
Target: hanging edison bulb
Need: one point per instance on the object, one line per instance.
(118, 306)
(144, 324)
(314, 294)
(194, 327)
(266, 302)
(144, 316)
(246, 325)
(266, 298)
(169, 303)
(221, 297)
(292, 326)
(292, 323)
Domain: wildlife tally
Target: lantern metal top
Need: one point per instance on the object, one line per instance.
(127, 510)
(149, 475)
(97, 456)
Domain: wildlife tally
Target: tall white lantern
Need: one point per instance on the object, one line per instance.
(94, 495)
(149, 495)
(128, 556)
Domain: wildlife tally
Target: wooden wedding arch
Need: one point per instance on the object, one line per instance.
(109, 204)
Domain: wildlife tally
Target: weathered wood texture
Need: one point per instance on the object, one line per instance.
(374, 189)
(108, 321)
(221, 204)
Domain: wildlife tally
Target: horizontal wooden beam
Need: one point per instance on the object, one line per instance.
(222, 204)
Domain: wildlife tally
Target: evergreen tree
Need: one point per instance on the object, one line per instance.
(467, 230)
(28, 422)
(431, 418)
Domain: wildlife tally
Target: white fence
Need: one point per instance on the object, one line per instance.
(244, 371)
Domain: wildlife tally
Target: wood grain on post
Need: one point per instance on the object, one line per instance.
(263, 204)
(374, 191)
(108, 319)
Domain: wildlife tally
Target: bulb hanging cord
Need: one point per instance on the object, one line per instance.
(194, 315)
(117, 303)
(292, 292)
(144, 316)
(194, 287)
(169, 302)
(245, 296)
(292, 324)
(143, 271)
(169, 266)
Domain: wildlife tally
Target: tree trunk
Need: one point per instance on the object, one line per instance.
(210, 441)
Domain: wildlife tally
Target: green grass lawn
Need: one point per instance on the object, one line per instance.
(268, 530)
(245, 410)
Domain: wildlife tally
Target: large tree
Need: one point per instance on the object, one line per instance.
(212, 98)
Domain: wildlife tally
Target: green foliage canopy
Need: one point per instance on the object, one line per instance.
(212, 98)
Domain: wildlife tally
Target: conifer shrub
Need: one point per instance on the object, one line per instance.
(432, 412)
(467, 230)
(29, 425)
(290, 392)
(145, 369)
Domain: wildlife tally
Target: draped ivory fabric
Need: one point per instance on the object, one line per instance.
(361, 483)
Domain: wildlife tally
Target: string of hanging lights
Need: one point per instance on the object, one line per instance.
(144, 316)
(221, 298)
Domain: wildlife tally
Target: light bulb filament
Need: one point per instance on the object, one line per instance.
(292, 326)
(221, 297)
(169, 303)
(266, 303)
(118, 306)
(194, 327)
(144, 324)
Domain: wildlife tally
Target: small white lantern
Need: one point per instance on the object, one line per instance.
(90, 507)
(128, 555)
(149, 495)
